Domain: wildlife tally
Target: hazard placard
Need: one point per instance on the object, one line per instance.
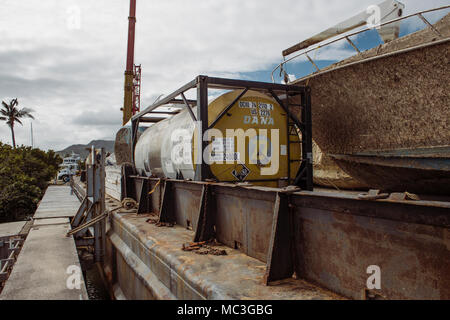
(241, 172)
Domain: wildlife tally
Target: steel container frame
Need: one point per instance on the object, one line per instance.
(304, 176)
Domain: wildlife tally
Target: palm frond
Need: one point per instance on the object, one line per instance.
(25, 112)
(11, 114)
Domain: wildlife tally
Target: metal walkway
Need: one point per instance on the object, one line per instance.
(48, 265)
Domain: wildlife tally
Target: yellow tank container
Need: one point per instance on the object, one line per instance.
(248, 144)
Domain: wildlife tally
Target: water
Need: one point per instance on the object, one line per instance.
(94, 285)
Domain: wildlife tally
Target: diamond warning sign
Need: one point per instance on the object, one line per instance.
(241, 172)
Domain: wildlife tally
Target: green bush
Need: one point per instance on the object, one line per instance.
(24, 176)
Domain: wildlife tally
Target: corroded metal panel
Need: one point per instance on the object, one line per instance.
(335, 250)
(332, 238)
(244, 219)
(186, 199)
(336, 245)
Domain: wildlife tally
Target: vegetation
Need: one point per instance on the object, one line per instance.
(24, 176)
(11, 114)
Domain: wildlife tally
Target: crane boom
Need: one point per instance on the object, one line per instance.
(129, 72)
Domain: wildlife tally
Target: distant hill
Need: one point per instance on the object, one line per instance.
(81, 148)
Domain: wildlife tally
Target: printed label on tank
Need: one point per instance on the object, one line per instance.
(260, 113)
(241, 172)
(247, 104)
(259, 120)
(265, 109)
(283, 150)
(222, 157)
(265, 106)
(220, 145)
(264, 113)
(223, 150)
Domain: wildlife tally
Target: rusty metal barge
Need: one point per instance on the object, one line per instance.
(279, 244)
(204, 239)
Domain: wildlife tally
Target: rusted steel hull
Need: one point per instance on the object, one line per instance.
(328, 239)
(394, 97)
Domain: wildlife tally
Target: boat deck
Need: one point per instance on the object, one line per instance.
(168, 272)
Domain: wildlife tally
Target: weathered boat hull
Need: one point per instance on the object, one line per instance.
(393, 97)
(420, 172)
(328, 174)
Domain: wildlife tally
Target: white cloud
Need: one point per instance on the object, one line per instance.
(67, 74)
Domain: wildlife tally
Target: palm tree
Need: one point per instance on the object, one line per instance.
(11, 114)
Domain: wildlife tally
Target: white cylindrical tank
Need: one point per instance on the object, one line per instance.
(263, 122)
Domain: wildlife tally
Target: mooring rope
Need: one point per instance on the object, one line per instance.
(154, 188)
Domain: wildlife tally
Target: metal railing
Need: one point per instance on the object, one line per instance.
(7, 264)
(347, 37)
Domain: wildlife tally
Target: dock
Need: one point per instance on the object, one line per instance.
(12, 235)
(48, 260)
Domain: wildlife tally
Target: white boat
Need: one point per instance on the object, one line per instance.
(69, 167)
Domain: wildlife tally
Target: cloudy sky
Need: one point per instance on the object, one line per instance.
(66, 58)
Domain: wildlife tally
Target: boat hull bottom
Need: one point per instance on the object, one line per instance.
(427, 175)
